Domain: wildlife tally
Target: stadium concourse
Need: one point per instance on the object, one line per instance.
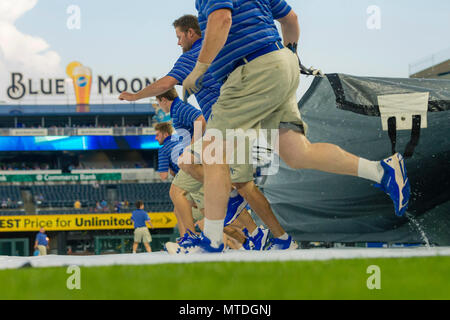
(228, 256)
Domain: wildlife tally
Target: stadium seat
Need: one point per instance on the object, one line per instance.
(154, 195)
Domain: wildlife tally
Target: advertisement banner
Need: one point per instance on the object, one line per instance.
(28, 132)
(95, 132)
(148, 131)
(60, 177)
(73, 222)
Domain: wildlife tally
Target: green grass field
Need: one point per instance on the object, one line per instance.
(409, 278)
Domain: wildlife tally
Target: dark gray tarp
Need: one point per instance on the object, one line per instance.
(343, 110)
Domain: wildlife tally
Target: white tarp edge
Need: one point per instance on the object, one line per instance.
(7, 262)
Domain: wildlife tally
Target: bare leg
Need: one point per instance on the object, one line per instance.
(235, 233)
(245, 220)
(181, 227)
(299, 153)
(250, 192)
(183, 207)
(258, 202)
(217, 190)
(135, 246)
(147, 247)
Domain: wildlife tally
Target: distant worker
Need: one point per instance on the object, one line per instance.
(42, 242)
(140, 219)
(77, 204)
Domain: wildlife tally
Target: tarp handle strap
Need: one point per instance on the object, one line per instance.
(415, 135)
(392, 131)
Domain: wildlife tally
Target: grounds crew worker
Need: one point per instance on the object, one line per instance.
(41, 242)
(141, 233)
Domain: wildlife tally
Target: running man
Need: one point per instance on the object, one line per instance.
(190, 39)
(184, 116)
(242, 49)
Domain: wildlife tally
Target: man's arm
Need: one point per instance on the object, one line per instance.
(163, 175)
(216, 35)
(200, 121)
(155, 89)
(290, 28)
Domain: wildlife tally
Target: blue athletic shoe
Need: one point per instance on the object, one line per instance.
(236, 204)
(278, 244)
(395, 182)
(202, 245)
(257, 242)
(189, 239)
(247, 245)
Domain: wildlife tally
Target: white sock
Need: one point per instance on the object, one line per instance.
(371, 170)
(284, 236)
(213, 230)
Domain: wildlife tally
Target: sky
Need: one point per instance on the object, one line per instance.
(135, 38)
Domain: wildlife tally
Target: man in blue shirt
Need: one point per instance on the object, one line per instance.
(184, 116)
(242, 49)
(168, 156)
(190, 39)
(169, 152)
(140, 219)
(42, 242)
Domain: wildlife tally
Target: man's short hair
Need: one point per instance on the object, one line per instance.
(187, 22)
(169, 95)
(164, 127)
(139, 204)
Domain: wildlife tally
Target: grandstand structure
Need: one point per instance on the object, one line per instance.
(78, 175)
(436, 66)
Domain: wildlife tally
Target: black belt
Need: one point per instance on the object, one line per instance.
(258, 53)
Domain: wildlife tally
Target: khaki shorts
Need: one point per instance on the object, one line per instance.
(197, 214)
(42, 250)
(185, 181)
(142, 235)
(198, 197)
(239, 173)
(261, 94)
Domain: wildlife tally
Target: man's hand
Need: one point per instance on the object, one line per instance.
(303, 70)
(128, 96)
(194, 81)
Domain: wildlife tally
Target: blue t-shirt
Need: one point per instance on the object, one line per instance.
(253, 28)
(210, 90)
(183, 117)
(169, 153)
(41, 239)
(139, 217)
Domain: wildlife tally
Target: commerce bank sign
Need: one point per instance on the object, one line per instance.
(82, 79)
